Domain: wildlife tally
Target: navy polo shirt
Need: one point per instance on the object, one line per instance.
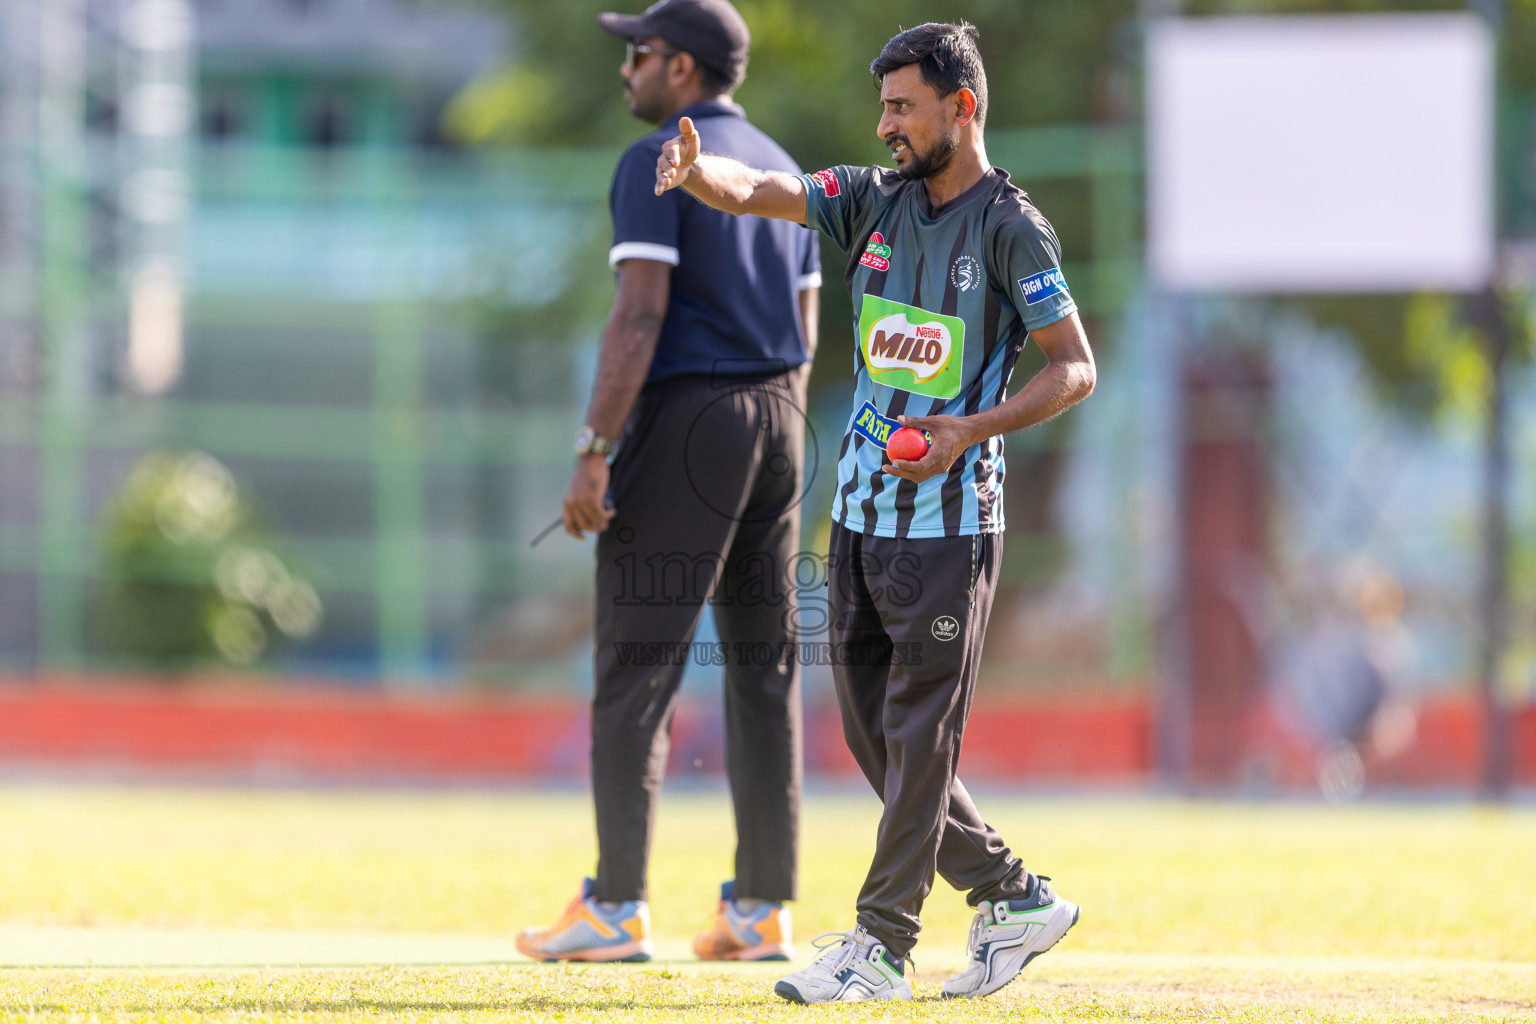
(735, 280)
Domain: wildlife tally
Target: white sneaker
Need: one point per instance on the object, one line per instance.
(1007, 935)
(853, 966)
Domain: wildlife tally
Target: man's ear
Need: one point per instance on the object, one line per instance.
(965, 106)
(680, 69)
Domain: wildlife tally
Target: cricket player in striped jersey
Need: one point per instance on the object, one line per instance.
(951, 269)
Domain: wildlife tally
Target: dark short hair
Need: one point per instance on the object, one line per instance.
(946, 56)
(718, 82)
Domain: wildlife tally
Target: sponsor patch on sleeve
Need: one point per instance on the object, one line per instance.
(1043, 285)
(828, 182)
(875, 428)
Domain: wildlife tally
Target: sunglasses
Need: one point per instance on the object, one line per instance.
(633, 49)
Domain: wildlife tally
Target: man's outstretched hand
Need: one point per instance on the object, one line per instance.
(677, 156)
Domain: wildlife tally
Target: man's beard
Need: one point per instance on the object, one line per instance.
(926, 165)
(651, 109)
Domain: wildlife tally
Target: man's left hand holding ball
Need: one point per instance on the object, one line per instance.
(950, 439)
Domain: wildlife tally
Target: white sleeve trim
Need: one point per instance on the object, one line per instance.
(811, 280)
(643, 251)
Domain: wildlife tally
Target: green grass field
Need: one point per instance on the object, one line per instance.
(248, 905)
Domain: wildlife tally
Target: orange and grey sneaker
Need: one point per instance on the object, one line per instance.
(586, 931)
(761, 933)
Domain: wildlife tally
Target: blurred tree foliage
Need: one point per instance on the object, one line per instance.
(808, 84)
(187, 577)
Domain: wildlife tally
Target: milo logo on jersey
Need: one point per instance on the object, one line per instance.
(910, 348)
(877, 255)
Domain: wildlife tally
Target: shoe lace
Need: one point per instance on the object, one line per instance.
(843, 957)
(973, 940)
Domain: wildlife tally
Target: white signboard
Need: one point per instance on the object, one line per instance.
(1330, 153)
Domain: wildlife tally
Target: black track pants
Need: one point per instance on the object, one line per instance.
(706, 491)
(908, 619)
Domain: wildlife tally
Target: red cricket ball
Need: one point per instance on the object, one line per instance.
(907, 444)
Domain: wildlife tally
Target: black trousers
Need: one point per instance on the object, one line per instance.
(908, 617)
(706, 491)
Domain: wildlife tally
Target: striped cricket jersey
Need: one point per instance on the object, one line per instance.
(942, 301)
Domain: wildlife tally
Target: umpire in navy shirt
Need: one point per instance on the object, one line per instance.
(699, 397)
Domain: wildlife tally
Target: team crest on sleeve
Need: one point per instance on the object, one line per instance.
(828, 182)
(1041, 286)
(877, 255)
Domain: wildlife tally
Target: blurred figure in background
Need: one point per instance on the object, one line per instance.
(700, 395)
(1341, 685)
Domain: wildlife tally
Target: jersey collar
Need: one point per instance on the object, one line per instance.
(707, 108)
(986, 183)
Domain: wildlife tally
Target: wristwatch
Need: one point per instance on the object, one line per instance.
(587, 442)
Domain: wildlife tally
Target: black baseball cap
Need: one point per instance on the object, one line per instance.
(711, 30)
